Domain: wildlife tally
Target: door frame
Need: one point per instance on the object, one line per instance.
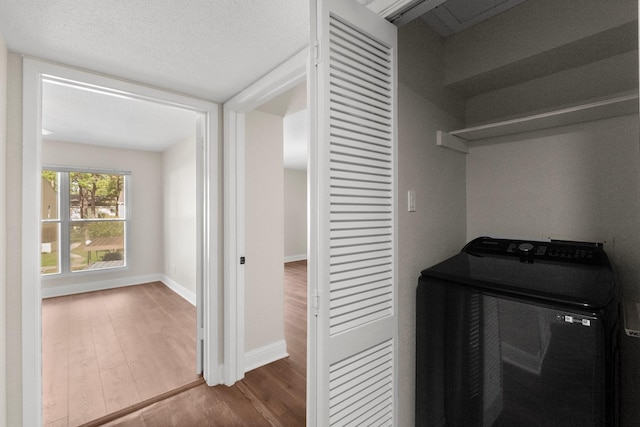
(286, 76)
(34, 71)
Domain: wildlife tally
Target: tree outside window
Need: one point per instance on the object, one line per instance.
(85, 213)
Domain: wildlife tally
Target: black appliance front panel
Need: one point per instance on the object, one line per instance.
(486, 360)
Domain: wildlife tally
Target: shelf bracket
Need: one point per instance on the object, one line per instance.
(452, 142)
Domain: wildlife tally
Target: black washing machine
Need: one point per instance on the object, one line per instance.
(518, 333)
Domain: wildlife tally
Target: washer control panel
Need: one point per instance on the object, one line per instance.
(529, 251)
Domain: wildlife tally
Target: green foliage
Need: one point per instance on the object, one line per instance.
(49, 260)
(91, 190)
(93, 230)
(51, 177)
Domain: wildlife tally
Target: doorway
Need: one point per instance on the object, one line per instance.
(275, 221)
(205, 221)
(290, 74)
(121, 193)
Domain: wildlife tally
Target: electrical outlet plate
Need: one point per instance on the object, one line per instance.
(411, 201)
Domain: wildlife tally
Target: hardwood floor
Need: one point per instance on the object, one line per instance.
(107, 350)
(272, 395)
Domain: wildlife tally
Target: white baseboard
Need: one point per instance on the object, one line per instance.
(264, 355)
(79, 288)
(292, 258)
(179, 289)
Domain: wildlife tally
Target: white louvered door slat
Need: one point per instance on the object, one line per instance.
(354, 146)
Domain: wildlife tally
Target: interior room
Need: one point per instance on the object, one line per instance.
(137, 340)
(516, 119)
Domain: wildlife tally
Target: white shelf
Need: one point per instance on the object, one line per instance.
(601, 109)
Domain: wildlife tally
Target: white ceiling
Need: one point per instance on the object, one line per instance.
(77, 115)
(210, 49)
(292, 107)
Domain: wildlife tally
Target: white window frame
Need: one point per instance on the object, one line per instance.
(65, 220)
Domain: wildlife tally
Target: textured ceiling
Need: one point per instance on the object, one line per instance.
(77, 115)
(210, 49)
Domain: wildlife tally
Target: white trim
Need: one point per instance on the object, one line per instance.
(176, 287)
(80, 288)
(264, 355)
(288, 75)
(33, 73)
(101, 285)
(293, 258)
(31, 292)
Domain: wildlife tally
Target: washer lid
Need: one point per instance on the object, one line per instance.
(533, 251)
(588, 285)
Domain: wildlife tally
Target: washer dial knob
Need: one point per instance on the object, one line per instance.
(525, 247)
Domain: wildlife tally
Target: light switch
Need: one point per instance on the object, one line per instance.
(411, 199)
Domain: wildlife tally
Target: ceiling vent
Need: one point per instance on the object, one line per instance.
(453, 16)
(446, 17)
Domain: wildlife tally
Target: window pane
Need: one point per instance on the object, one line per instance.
(96, 195)
(50, 199)
(49, 255)
(97, 245)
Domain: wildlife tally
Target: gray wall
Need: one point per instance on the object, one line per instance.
(437, 229)
(295, 214)
(179, 214)
(3, 224)
(264, 271)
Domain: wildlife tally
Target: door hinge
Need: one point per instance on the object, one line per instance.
(315, 301)
(242, 260)
(316, 52)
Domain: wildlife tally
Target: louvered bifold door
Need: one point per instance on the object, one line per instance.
(354, 156)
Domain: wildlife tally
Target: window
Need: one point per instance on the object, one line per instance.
(84, 220)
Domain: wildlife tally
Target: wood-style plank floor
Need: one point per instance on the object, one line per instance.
(273, 395)
(107, 350)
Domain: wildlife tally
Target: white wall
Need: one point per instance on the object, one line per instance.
(296, 139)
(145, 255)
(3, 228)
(420, 66)
(578, 182)
(264, 270)
(437, 229)
(14, 242)
(179, 222)
(295, 214)
(583, 49)
(530, 29)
